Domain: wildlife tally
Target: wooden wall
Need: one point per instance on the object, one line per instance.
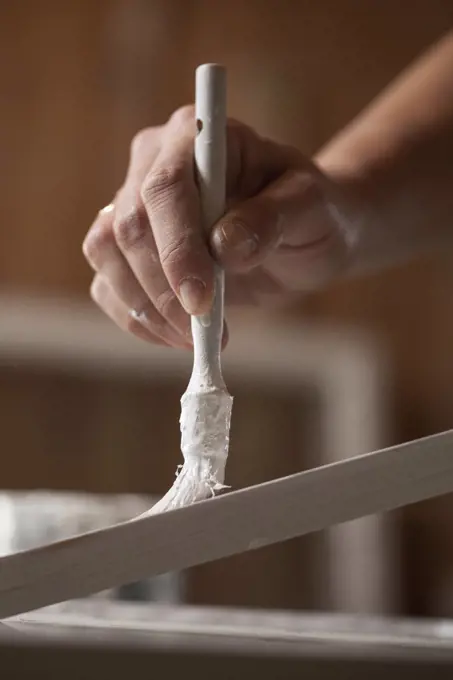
(77, 80)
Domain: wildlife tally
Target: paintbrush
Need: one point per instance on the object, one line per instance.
(206, 405)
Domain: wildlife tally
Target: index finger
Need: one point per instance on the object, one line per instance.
(170, 196)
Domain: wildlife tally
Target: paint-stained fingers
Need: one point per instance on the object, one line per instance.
(105, 258)
(120, 245)
(134, 232)
(107, 300)
(135, 242)
(126, 318)
(102, 252)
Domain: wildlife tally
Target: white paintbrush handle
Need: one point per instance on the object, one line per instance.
(210, 163)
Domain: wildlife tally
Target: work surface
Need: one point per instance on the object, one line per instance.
(104, 639)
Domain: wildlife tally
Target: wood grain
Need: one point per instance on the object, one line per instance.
(236, 522)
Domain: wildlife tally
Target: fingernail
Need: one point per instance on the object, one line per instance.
(235, 239)
(192, 292)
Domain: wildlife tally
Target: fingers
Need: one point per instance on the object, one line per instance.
(157, 224)
(104, 256)
(121, 246)
(290, 220)
(152, 248)
(153, 254)
(134, 234)
(105, 297)
(135, 243)
(171, 201)
(108, 301)
(101, 251)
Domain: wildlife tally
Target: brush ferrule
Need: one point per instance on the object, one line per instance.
(205, 424)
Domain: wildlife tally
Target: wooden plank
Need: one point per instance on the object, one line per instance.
(230, 524)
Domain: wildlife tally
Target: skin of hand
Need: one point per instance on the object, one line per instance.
(377, 194)
(288, 229)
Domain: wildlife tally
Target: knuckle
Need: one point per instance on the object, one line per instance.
(174, 253)
(130, 230)
(142, 139)
(183, 116)
(161, 183)
(99, 238)
(165, 302)
(97, 288)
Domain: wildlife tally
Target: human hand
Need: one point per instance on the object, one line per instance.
(288, 229)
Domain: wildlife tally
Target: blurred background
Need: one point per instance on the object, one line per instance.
(77, 80)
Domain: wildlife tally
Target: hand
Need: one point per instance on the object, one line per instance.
(288, 228)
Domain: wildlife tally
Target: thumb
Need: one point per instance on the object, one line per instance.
(290, 212)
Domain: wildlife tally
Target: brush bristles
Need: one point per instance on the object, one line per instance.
(205, 432)
(196, 480)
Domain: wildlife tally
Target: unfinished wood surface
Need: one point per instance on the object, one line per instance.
(236, 522)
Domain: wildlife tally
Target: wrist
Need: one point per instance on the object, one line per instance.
(351, 202)
(373, 181)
